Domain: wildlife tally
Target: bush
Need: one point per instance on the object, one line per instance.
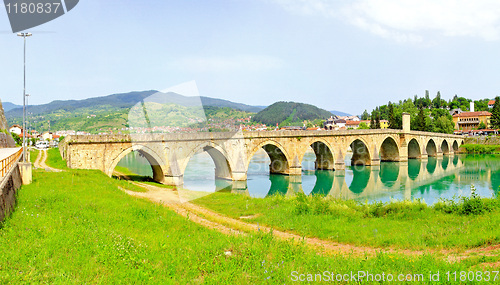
(480, 149)
(473, 205)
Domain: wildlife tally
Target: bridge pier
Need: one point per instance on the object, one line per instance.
(339, 165)
(239, 176)
(295, 171)
(374, 162)
(174, 180)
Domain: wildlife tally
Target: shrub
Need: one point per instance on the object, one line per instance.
(473, 205)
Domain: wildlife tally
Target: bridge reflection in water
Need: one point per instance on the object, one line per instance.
(429, 179)
(447, 177)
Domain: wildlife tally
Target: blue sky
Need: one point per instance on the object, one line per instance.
(341, 55)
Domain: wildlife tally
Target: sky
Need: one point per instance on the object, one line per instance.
(346, 55)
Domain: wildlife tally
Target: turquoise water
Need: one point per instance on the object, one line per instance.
(447, 177)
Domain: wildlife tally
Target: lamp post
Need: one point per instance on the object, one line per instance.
(24, 35)
(28, 124)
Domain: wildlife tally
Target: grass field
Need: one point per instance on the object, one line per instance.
(414, 225)
(76, 226)
(33, 155)
(54, 159)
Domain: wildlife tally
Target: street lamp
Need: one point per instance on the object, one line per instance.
(24, 35)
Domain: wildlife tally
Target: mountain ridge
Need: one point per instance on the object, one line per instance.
(122, 100)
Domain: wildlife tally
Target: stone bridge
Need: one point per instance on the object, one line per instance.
(169, 154)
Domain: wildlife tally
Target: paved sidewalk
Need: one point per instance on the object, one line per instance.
(6, 152)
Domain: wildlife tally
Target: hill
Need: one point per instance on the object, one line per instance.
(339, 113)
(7, 106)
(112, 111)
(287, 113)
(123, 100)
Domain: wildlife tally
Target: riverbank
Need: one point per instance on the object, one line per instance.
(77, 226)
(470, 223)
(481, 149)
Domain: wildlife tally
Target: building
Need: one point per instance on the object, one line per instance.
(340, 123)
(16, 129)
(352, 125)
(384, 124)
(491, 103)
(349, 118)
(467, 121)
(329, 124)
(456, 111)
(47, 136)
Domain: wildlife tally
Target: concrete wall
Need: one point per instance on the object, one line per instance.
(8, 191)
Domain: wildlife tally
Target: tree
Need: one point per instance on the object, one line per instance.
(495, 117)
(420, 121)
(481, 126)
(377, 120)
(392, 119)
(365, 115)
(436, 103)
(363, 126)
(17, 139)
(444, 125)
(427, 101)
(372, 120)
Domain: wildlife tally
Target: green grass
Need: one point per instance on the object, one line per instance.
(481, 149)
(78, 227)
(399, 224)
(54, 159)
(33, 155)
(139, 178)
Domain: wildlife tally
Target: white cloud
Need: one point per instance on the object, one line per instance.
(226, 64)
(410, 20)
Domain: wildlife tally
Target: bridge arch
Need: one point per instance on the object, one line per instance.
(156, 162)
(431, 148)
(445, 147)
(389, 150)
(323, 152)
(223, 169)
(360, 152)
(277, 154)
(414, 149)
(455, 146)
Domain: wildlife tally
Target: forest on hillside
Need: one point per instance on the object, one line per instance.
(290, 113)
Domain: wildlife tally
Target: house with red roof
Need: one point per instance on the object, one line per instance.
(468, 121)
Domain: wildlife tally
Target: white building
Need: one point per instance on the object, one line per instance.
(47, 136)
(16, 129)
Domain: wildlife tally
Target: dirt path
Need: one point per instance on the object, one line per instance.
(40, 161)
(178, 201)
(37, 160)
